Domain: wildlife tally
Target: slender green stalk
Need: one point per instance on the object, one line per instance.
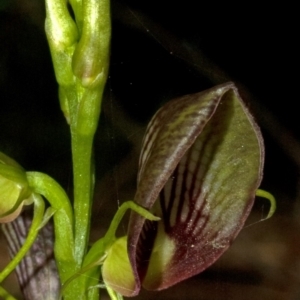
(83, 186)
(39, 208)
(80, 54)
(5, 295)
(110, 235)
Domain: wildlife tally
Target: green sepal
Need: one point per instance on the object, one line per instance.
(271, 198)
(11, 170)
(46, 186)
(14, 189)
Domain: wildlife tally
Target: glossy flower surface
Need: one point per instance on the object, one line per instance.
(200, 166)
(14, 189)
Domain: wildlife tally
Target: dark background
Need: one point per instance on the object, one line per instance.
(161, 50)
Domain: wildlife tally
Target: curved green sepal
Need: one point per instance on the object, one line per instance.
(271, 198)
(63, 220)
(110, 236)
(14, 189)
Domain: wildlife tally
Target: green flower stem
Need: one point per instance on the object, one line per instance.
(63, 221)
(90, 65)
(80, 54)
(5, 295)
(39, 208)
(83, 188)
(84, 115)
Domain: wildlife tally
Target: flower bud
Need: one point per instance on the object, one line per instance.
(14, 189)
(90, 59)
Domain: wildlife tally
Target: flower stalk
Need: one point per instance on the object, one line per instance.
(80, 53)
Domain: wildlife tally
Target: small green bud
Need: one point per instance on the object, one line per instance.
(14, 189)
(62, 35)
(90, 59)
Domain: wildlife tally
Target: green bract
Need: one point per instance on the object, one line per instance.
(14, 189)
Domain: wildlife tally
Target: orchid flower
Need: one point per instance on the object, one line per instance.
(19, 188)
(14, 189)
(15, 192)
(200, 167)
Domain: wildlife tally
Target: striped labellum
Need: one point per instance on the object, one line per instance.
(200, 166)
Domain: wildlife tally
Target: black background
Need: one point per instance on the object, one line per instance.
(160, 50)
